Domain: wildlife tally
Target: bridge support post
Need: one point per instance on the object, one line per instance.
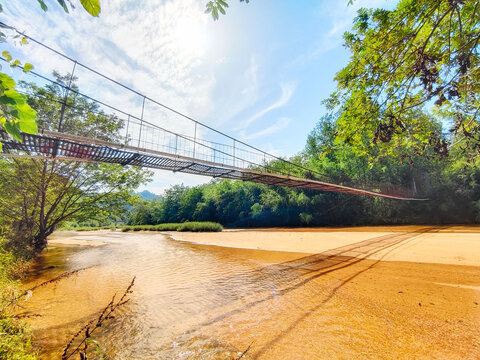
(141, 122)
(194, 139)
(65, 98)
(233, 152)
(126, 131)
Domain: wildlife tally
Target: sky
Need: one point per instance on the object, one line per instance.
(259, 73)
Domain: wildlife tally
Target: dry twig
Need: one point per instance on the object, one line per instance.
(88, 329)
(14, 301)
(246, 350)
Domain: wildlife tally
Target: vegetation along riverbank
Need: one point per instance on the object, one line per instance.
(268, 268)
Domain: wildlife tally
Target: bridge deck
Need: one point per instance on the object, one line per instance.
(75, 148)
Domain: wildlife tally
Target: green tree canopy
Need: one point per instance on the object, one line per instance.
(36, 196)
(216, 7)
(15, 114)
(422, 54)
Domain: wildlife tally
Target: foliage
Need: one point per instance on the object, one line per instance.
(420, 54)
(197, 226)
(159, 227)
(214, 7)
(200, 226)
(87, 228)
(15, 339)
(36, 196)
(91, 6)
(16, 115)
(452, 187)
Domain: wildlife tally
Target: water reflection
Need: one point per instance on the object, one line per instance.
(192, 301)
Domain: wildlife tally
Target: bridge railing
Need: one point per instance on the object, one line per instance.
(150, 125)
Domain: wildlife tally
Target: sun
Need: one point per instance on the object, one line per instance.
(189, 35)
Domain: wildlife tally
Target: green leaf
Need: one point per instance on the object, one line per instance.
(222, 10)
(24, 40)
(43, 5)
(27, 67)
(6, 55)
(215, 13)
(24, 113)
(209, 7)
(63, 5)
(222, 3)
(12, 97)
(29, 127)
(13, 130)
(15, 63)
(92, 6)
(6, 82)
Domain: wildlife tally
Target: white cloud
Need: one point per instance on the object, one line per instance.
(277, 126)
(164, 179)
(156, 49)
(287, 91)
(166, 50)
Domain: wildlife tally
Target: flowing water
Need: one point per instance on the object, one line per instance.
(201, 302)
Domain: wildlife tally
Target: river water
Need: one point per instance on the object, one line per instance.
(202, 302)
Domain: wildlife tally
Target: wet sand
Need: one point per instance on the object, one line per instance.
(455, 245)
(335, 297)
(82, 238)
(405, 292)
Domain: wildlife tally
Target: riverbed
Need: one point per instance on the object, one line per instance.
(350, 297)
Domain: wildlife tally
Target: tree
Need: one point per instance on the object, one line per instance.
(91, 6)
(36, 196)
(214, 7)
(15, 114)
(423, 53)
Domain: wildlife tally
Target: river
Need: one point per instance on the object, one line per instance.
(193, 301)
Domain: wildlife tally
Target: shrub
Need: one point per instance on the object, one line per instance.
(167, 227)
(186, 226)
(200, 226)
(15, 339)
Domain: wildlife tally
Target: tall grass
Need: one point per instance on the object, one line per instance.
(186, 226)
(200, 226)
(15, 339)
(88, 228)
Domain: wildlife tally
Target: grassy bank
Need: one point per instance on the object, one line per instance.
(194, 226)
(186, 226)
(89, 228)
(15, 339)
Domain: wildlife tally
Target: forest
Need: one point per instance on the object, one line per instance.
(403, 118)
(451, 187)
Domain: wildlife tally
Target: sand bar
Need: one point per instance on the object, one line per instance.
(456, 245)
(82, 238)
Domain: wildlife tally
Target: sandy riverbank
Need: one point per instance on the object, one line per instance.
(82, 238)
(333, 297)
(456, 245)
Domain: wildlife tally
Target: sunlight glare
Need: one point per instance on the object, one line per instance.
(190, 36)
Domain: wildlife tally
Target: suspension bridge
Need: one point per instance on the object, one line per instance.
(143, 141)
